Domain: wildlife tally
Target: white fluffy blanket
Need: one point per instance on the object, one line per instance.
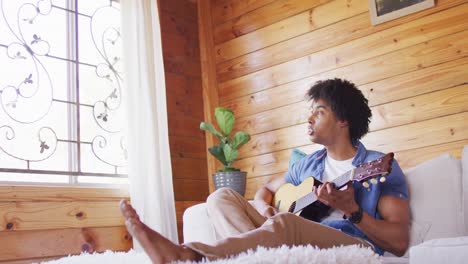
(296, 255)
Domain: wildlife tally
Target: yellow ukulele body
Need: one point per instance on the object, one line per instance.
(288, 194)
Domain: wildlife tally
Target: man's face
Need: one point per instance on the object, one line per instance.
(323, 124)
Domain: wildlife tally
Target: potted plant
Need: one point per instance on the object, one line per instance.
(226, 150)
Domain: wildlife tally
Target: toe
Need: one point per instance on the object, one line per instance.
(127, 210)
(122, 202)
(123, 206)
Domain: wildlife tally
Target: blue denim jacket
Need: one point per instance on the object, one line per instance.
(395, 185)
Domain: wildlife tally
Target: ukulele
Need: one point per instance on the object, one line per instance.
(302, 201)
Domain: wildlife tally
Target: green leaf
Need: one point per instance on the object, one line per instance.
(210, 128)
(225, 119)
(230, 153)
(239, 139)
(228, 168)
(218, 153)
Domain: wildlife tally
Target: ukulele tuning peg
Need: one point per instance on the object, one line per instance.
(373, 181)
(382, 179)
(365, 184)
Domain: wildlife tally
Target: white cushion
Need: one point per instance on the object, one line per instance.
(436, 199)
(465, 186)
(445, 250)
(197, 225)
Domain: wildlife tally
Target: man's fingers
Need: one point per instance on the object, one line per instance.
(321, 193)
(317, 190)
(273, 209)
(270, 211)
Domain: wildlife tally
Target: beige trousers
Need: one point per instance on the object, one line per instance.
(241, 227)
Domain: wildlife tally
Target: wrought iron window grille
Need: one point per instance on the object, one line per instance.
(29, 99)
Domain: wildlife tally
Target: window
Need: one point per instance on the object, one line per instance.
(61, 111)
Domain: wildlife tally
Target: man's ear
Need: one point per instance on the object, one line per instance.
(343, 123)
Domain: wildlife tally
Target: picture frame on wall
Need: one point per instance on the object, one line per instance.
(386, 10)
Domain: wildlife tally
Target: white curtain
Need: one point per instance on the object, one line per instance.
(149, 168)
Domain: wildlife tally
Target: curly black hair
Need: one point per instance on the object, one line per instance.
(346, 101)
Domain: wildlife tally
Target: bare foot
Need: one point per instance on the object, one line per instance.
(159, 249)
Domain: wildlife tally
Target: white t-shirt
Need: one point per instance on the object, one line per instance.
(334, 169)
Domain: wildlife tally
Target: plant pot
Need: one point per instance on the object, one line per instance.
(231, 179)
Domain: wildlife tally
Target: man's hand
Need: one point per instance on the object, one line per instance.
(264, 197)
(342, 200)
(264, 209)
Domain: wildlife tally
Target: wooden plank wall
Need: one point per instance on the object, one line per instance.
(179, 33)
(41, 223)
(413, 70)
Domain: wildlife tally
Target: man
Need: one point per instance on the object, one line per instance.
(377, 217)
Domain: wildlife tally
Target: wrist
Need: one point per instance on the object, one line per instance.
(356, 216)
(354, 208)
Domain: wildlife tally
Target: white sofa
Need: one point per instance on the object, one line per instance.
(439, 206)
